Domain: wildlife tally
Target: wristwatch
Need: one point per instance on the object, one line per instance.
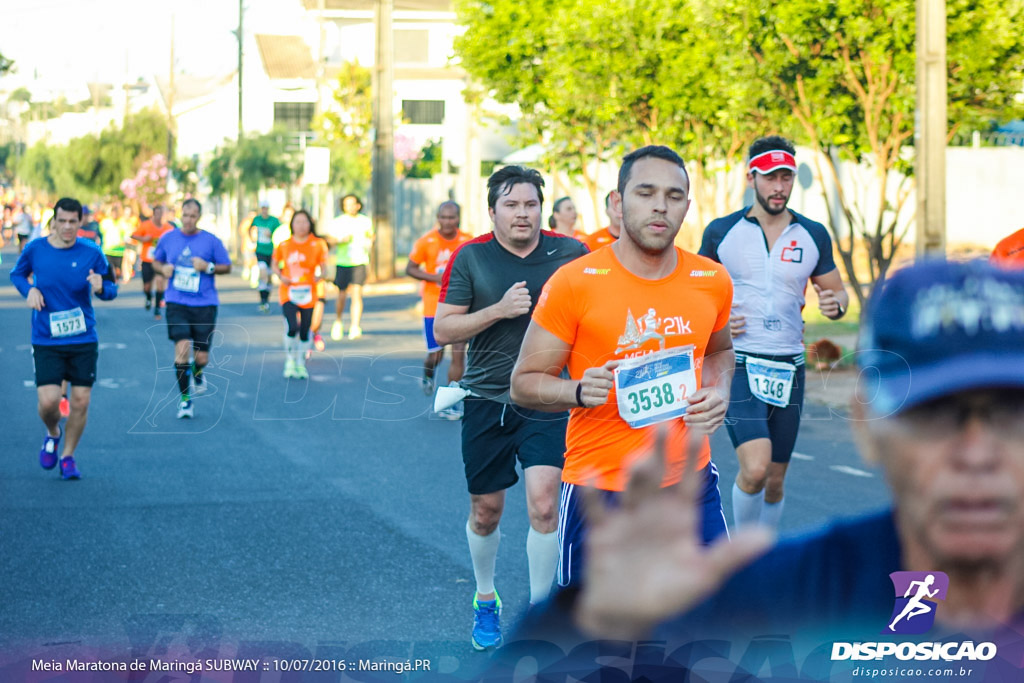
(210, 268)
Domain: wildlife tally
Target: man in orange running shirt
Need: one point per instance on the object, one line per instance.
(427, 262)
(643, 328)
(1009, 253)
(148, 234)
(606, 235)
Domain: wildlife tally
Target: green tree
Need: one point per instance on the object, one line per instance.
(35, 168)
(123, 149)
(262, 160)
(347, 127)
(590, 85)
(6, 65)
(845, 72)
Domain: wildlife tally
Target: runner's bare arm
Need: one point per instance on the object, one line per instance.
(415, 270)
(832, 297)
(709, 403)
(535, 380)
(645, 558)
(275, 268)
(455, 323)
(165, 269)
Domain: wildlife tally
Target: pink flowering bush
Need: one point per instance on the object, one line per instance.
(149, 185)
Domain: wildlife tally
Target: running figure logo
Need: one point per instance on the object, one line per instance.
(638, 332)
(914, 612)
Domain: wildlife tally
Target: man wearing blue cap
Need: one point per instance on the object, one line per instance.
(941, 410)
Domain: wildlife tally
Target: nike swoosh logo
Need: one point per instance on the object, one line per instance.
(552, 252)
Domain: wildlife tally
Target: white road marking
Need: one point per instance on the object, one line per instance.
(802, 456)
(853, 471)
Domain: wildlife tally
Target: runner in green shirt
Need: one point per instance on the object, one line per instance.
(261, 231)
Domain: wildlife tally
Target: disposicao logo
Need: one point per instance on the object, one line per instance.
(916, 593)
(914, 613)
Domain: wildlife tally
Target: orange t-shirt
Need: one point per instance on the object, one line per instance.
(605, 312)
(150, 229)
(431, 253)
(1009, 253)
(299, 261)
(599, 239)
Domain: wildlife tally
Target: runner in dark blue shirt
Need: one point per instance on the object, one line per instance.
(58, 276)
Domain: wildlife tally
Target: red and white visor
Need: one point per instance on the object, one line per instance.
(773, 160)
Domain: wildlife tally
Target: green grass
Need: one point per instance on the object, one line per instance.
(817, 326)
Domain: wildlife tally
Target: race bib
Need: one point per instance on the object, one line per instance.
(653, 388)
(186, 279)
(67, 323)
(263, 235)
(301, 295)
(770, 381)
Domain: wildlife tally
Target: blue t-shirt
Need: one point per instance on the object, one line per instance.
(61, 276)
(188, 286)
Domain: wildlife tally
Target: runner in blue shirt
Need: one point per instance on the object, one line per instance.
(189, 258)
(58, 276)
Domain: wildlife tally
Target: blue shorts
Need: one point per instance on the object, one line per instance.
(428, 332)
(572, 529)
(750, 418)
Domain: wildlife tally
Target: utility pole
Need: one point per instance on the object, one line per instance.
(170, 100)
(930, 133)
(383, 180)
(235, 242)
(321, 209)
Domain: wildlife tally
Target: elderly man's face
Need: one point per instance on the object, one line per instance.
(956, 467)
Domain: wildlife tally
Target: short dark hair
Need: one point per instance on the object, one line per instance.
(656, 151)
(353, 196)
(68, 204)
(192, 200)
(312, 223)
(558, 203)
(449, 202)
(502, 181)
(769, 143)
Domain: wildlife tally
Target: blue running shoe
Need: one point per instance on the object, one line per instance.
(68, 469)
(48, 453)
(486, 623)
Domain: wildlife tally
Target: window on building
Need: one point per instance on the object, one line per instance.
(423, 111)
(411, 46)
(297, 116)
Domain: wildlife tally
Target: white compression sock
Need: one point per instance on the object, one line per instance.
(746, 507)
(771, 513)
(289, 346)
(484, 551)
(542, 557)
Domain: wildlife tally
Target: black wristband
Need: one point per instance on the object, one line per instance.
(579, 394)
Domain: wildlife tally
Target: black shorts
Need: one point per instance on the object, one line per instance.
(75, 363)
(750, 418)
(147, 272)
(495, 434)
(115, 261)
(349, 275)
(264, 258)
(191, 322)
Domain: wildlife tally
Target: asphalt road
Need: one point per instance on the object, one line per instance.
(288, 519)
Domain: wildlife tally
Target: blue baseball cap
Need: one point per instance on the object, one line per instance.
(938, 328)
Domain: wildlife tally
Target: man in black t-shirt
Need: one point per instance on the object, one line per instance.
(487, 295)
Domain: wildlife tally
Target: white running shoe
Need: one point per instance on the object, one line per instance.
(185, 409)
